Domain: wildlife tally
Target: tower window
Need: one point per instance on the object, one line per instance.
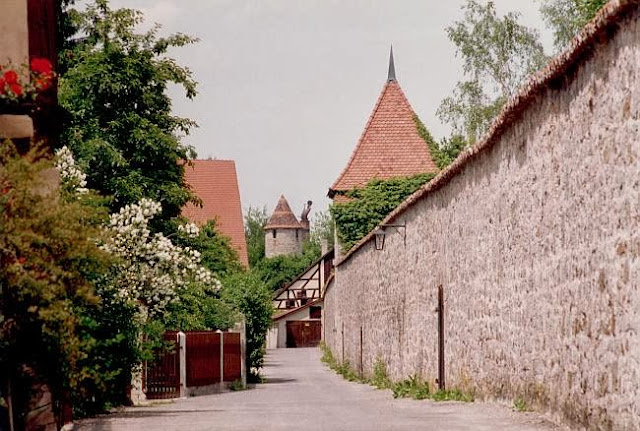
(296, 233)
(274, 233)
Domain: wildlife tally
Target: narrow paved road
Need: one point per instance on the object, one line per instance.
(302, 394)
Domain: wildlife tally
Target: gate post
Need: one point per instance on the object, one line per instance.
(182, 343)
(221, 356)
(241, 327)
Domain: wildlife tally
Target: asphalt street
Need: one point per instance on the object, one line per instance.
(301, 393)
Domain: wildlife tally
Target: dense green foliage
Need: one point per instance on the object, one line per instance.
(497, 54)
(120, 126)
(255, 220)
(47, 269)
(199, 309)
(276, 272)
(250, 296)
(369, 205)
(567, 17)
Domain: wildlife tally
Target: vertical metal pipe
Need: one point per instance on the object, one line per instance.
(361, 367)
(342, 341)
(441, 382)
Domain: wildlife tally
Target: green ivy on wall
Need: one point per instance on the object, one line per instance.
(372, 203)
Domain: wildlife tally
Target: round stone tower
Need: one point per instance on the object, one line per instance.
(283, 233)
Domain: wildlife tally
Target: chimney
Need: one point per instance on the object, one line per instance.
(304, 218)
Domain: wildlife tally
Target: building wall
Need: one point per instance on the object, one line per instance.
(536, 242)
(14, 48)
(285, 242)
(14, 43)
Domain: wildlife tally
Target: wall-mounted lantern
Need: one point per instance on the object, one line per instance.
(381, 233)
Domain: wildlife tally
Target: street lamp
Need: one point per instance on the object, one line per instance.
(381, 233)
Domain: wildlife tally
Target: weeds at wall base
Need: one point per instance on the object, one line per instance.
(413, 387)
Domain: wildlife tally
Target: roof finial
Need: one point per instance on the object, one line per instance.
(392, 68)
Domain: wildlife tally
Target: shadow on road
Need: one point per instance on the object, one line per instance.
(276, 380)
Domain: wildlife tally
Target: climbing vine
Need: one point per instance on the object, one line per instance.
(370, 204)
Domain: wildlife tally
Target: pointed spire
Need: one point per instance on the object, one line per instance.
(282, 217)
(392, 68)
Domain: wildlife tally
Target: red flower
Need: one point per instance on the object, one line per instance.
(16, 89)
(43, 83)
(41, 65)
(11, 77)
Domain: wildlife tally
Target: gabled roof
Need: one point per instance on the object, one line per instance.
(390, 145)
(215, 182)
(283, 217)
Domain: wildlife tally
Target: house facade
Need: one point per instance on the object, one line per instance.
(298, 318)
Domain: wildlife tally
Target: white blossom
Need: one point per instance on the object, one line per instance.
(190, 229)
(153, 267)
(71, 176)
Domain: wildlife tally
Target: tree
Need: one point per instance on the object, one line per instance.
(497, 54)
(120, 128)
(323, 229)
(567, 17)
(249, 295)
(275, 272)
(216, 252)
(49, 263)
(255, 220)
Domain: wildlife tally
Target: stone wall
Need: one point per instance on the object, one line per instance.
(287, 241)
(536, 241)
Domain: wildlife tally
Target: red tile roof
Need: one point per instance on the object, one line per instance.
(216, 184)
(283, 217)
(390, 145)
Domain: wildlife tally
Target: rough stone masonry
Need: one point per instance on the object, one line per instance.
(535, 237)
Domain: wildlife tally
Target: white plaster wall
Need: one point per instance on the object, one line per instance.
(537, 245)
(14, 43)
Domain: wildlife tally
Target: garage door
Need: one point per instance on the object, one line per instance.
(304, 333)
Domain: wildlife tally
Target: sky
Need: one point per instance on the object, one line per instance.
(287, 86)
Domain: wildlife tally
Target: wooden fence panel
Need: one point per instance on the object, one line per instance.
(203, 358)
(232, 357)
(161, 378)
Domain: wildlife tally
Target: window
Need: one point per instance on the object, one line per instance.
(315, 312)
(274, 233)
(296, 233)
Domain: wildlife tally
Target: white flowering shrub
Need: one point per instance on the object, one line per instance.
(72, 178)
(190, 229)
(153, 267)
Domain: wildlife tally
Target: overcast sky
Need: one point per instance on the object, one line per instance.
(286, 86)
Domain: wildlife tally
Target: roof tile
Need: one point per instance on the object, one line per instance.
(390, 145)
(215, 182)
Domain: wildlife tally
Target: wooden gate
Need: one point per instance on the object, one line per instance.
(304, 333)
(161, 377)
(203, 358)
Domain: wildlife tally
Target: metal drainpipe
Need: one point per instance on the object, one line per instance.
(440, 309)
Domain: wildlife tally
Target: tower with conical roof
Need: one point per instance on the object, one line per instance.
(283, 233)
(390, 145)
